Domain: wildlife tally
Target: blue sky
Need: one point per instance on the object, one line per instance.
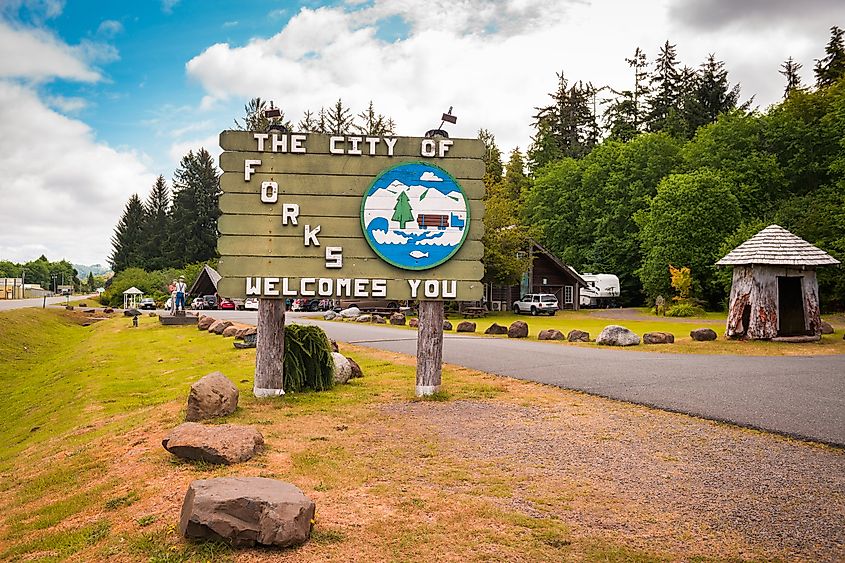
(99, 98)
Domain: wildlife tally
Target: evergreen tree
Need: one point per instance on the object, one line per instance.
(402, 212)
(492, 158)
(624, 115)
(665, 85)
(789, 69)
(91, 283)
(374, 124)
(338, 119)
(128, 236)
(710, 94)
(156, 227)
(832, 67)
(193, 236)
(255, 119)
(515, 180)
(308, 123)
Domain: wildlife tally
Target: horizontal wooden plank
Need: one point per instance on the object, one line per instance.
(335, 206)
(395, 289)
(270, 225)
(352, 268)
(303, 184)
(244, 141)
(292, 246)
(324, 164)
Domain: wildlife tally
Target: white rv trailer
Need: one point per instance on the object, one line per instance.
(601, 290)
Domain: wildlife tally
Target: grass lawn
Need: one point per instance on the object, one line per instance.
(83, 475)
(641, 321)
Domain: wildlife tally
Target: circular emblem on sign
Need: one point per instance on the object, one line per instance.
(415, 216)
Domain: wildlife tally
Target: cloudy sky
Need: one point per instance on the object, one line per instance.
(98, 98)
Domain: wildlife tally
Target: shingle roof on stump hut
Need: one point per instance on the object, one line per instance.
(776, 246)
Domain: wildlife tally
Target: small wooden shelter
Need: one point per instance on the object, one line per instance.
(206, 282)
(774, 291)
(130, 297)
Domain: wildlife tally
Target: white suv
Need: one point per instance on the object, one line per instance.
(536, 304)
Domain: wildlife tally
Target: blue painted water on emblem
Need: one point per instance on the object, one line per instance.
(415, 216)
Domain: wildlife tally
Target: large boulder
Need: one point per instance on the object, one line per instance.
(827, 328)
(397, 319)
(703, 334)
(550, 334)
(615, 335)
(230, 331)
(363, 318)
(350, 313)
(378, 319)
(215, 443)
(658, 338)
(245, 331)
(342, 368)
(518, 329)
(496, 329)
(246, 511)
(219, 326)
(578, 336)
(329, 315)
(447, 325)
(465, 326)
(212, 396)
(205, 322)
(356, 369)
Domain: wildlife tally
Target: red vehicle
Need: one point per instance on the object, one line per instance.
(227, 303)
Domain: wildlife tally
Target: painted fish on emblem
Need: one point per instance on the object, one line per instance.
(418, 254)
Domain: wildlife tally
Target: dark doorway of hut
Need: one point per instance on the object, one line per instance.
(791, 307)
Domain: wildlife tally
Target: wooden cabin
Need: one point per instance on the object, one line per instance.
(774, 293)
(546, 274)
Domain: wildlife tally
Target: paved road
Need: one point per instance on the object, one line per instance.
(6, 305)
(798, 396)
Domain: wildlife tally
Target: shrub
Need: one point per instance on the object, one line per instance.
(684, 310)
(308, 359)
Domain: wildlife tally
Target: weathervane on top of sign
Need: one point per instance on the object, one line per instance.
(440, 132)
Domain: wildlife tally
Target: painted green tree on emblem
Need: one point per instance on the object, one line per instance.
(402, 212)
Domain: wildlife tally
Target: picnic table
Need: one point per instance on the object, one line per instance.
(474, 312)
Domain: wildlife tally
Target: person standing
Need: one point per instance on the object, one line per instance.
(181, 290)
(172, 289)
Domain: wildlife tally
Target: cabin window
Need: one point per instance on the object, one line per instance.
(567, 295)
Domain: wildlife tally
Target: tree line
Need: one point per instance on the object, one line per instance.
(680, 172)
(49, 275)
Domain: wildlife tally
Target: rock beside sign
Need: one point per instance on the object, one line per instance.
(615, 335)
(550, 334)
(496, 328)
(246, 511)
(703, 334)
(219, 443)
(578, 336)
(397, 319)
(658, 338)
(329, 316)
(219, 326)
(342, 368)
(350, 313)
(518, 329)
(205, 322)
(465, 326)
(212, 396)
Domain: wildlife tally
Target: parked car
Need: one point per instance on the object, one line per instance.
(197, 303)
(227, 303)
(371, 304)
(536, 304)
(239, 303)
(147, 303)
(209, 301)
(251, 303)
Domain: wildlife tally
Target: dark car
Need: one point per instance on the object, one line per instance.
(209, 301)
(147, 303)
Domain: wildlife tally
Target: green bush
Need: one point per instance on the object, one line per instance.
(308, 359)
(684, 310)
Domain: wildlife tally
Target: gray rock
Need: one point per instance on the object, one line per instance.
(518, 329)
(342, 368)
(249, 341)
(212, 396)
(364, 318)
(246, 511)
(465, 326)
(205, 322)
(217, 327)
(615, 335)
(397, 319)
(329, 316)
(356, 369)
(350, 313)
(703, 334)
(827, 328)
(658, 338)
(578, 336)
(333, 344)
(216, 443)
(378, 319)
(496, 329)
(551, 334)
(447, 325)
(230, 331)
(414, 323)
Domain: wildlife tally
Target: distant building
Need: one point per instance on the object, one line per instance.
(11, 288)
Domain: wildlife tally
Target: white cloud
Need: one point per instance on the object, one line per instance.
(67, 105)
(168, 5)
(429, 176)
(181, 148)
(37, 55)
(62, 192)
(109, 28)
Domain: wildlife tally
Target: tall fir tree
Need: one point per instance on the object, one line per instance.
(373, 123)
(789, 69)
(91, 283)
(156, 227)
(624, 115)
(196, 185)
(709, 96)
(128, 237)
(515, 180)
(492, 158)
(338, 119)
(832, 67)
(665, 85)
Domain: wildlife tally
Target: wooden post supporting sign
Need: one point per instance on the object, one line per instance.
(270, 349)
(429, 348)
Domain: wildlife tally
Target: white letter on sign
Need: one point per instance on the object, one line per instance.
(333, 149)
(260, 137)
(334, 258)
(270, 286)
(248, 168)
(290, 211)
(390, 144)
(303, 286)
(269, 192)
(431, 288)
(379, 288)
(444, 148)
(311, 236)
(253, 286)
(427, 147)
(415, 285)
